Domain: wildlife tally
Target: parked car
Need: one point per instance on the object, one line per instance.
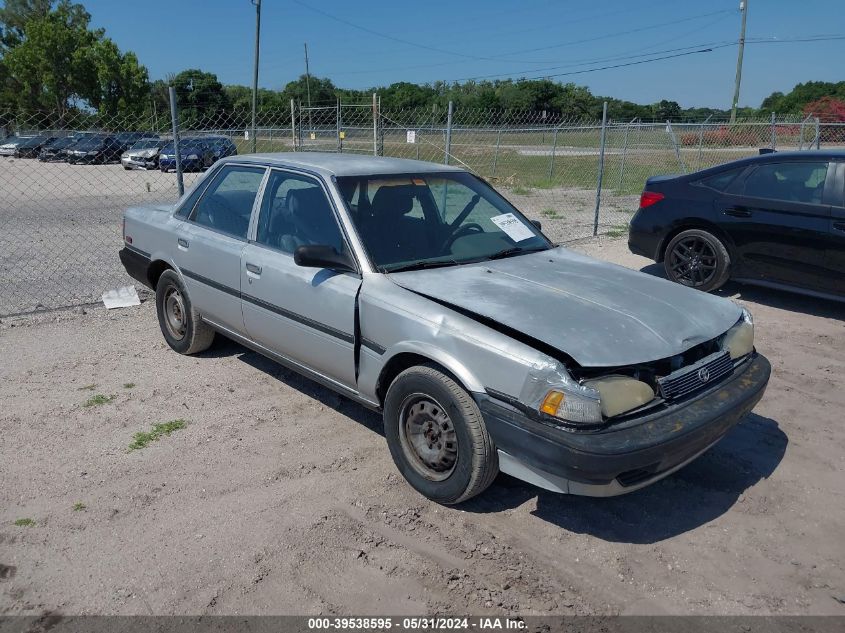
(195, 153)
(30, 148)
(777, 219)
(94, 149)
(221, 146)
(417, 290)
(143, 154)
(9, 145)
(57, 149)
(128, 139)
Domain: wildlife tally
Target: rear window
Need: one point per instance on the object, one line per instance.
(721, 181)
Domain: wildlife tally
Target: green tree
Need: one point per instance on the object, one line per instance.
(14, 14)
(201, 99)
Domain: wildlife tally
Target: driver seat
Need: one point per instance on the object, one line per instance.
(390, 235)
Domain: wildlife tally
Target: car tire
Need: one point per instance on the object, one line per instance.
(180, 323)
(437, 436)
(698, 259)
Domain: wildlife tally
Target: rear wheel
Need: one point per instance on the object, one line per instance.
(437, 436)
(698, 259)
(182, 326)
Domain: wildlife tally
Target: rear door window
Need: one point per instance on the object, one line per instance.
(226, 204)
(801, 182)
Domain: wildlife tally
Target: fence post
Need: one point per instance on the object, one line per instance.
(774, 133)
(293, 124)
(375, 125)
(818, 134)
(496, 155)
(601, 167)
(701, 141)
(339, 124)
(448, 134)
(674, 140)
(552, 157)
(180, 184)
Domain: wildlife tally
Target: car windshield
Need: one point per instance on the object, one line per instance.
(146, 143)
(412, 221)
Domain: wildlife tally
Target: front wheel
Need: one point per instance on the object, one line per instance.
(437, 436)
(698, 259)
(182, 327)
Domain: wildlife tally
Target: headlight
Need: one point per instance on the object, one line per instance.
(93, 152)
(164, 156)
(739, 340)
(193, 157)
(551, 390)
(620, 394)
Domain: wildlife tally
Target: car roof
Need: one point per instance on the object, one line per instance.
(333, 164)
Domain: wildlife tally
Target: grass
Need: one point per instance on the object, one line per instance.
(519, 190)
(90, 387)
(129, 385)
(620, 230)
(78, 506)
(143, 438)
(97, 400)
(552, 214)
(24, 522)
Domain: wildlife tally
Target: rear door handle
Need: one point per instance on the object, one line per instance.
(839, 226)
(738, 212)
(252, 268)
(183, 243)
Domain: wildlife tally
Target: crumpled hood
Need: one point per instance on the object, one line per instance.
(598, 313)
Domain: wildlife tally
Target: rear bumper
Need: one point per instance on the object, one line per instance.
(644, 240)
(136, 263)
(631, 454)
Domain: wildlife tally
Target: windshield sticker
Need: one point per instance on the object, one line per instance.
(512, 227)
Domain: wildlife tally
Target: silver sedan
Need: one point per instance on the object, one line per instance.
(419, 291)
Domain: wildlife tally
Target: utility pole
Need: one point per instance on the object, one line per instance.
(743, 8)
(308, 86)
(257, 4)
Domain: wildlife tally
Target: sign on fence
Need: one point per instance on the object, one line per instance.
(411, 136)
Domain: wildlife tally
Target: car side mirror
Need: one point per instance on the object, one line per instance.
(323, 256)
(537, 224)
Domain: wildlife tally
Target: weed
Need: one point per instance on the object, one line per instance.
(95, 401)
(620, 230)
(143, 438)
(129, 385)
(519, 190)
(24, 522)
(87, 388)
(78, 506)
(550, 213)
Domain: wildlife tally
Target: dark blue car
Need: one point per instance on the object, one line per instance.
(195, 154)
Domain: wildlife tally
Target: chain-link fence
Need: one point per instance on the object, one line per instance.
(66, 179)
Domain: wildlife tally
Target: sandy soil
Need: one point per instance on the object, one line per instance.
(280, 497)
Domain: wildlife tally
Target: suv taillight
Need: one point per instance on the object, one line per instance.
(649, 198)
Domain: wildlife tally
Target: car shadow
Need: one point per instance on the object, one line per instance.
(224, 347)
(695, 495)
(772, 297)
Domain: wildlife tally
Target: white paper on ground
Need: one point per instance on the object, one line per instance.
(121, 298)
(512, 226)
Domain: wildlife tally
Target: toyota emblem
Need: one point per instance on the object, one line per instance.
(704, 374)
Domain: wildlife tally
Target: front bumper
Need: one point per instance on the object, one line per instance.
(187, 164)
(82, 159)
(630, 454)
(139, 162)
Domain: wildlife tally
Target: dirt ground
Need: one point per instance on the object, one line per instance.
(280, 497)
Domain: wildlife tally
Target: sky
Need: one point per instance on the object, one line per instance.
(365, 44)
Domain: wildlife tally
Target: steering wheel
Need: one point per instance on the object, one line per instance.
(472, 228)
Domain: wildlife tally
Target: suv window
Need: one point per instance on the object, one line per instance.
(296, 212)
(227, 202)
(791, 182)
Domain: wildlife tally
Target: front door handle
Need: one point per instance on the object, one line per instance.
(252, 268)
(183, 243)
(738, 212)
(839, 226)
